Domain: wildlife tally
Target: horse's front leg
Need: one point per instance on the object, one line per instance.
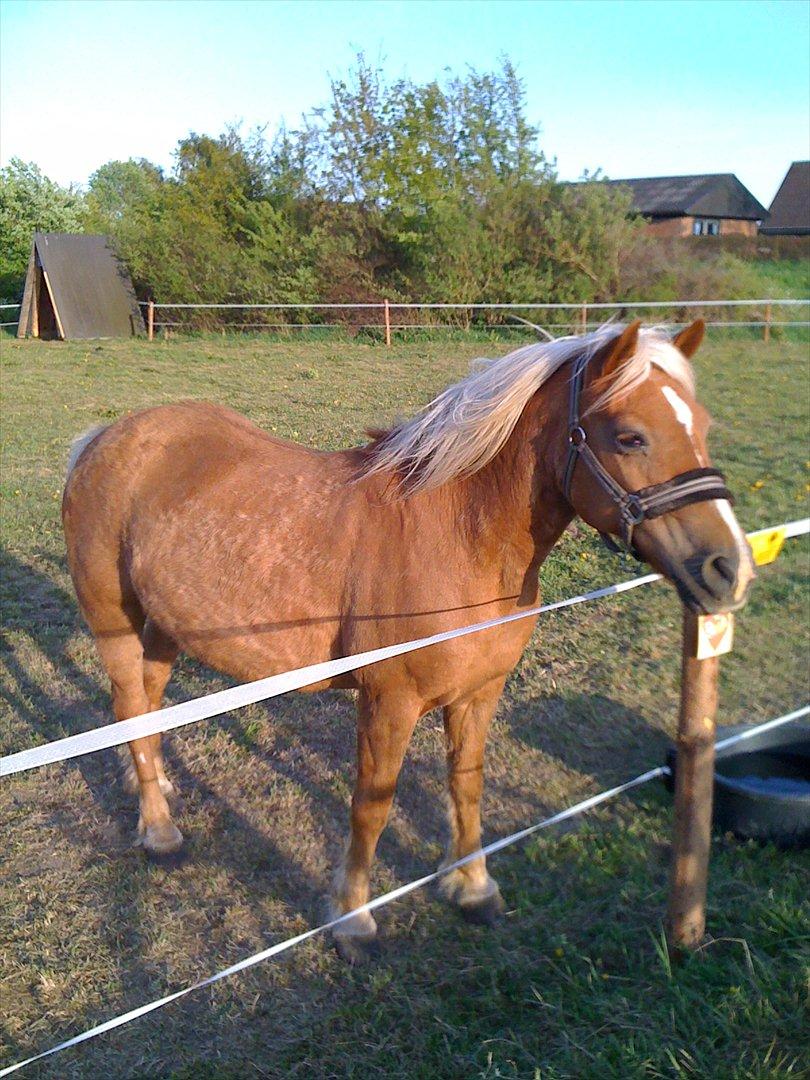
(384, 727)
(466, 723)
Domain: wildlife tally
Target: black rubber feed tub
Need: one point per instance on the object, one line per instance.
(762, 785)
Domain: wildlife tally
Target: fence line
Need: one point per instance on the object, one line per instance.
(532, 306)
(500, 327)
(579, 310)
(385, 307)
(778, 533)
(5, 307)
(237, 697)
(210, 705)
(394, 894)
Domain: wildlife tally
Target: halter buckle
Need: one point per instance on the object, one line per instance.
(577, 436)
(632, 510)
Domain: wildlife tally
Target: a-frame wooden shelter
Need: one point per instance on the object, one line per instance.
(76, 287)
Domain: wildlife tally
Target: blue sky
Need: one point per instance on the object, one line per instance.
(638, 88)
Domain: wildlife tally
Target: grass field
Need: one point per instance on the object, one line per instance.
(574, 983)
(784, 277)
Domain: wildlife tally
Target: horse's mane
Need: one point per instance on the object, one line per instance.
(467, 424)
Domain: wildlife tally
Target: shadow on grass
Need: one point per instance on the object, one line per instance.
(593, 735)
(590, 734)
(47, 616)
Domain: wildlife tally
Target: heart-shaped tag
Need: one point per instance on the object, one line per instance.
(716, 627)
(715, 635)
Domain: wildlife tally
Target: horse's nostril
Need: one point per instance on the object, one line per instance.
(723, 566)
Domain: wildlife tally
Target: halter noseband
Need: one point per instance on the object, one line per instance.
(695, 485)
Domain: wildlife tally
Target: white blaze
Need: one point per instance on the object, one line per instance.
(683, 413)
(746, 568)
(684, 416)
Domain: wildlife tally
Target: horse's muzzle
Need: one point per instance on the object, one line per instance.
(712, 582)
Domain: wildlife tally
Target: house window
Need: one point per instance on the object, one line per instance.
(705, 227)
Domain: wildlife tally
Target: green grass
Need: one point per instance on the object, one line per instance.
(574, 983)
(784, 277)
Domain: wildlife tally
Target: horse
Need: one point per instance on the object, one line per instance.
(190, 529)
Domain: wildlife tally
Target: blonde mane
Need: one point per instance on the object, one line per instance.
(463, 428)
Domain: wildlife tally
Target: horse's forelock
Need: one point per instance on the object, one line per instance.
(654, 349)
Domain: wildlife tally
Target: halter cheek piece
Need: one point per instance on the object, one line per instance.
(695, 485)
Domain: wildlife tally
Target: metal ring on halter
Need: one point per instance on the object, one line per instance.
(577, 436)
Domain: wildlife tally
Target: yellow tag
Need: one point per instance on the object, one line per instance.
(715, 635)
(767, 544)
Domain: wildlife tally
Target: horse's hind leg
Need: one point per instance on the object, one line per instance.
(466, 725)
(159, 654)
(383, 731)
(121, 651)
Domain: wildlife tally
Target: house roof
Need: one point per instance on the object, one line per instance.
(719, 195)
(790, 209)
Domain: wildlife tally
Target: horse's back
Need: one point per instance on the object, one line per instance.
(167, 451)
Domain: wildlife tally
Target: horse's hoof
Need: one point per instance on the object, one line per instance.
(167, 860)
(485, 912)
(480, 902)
(357, 951)
(355, 937)
(162, 843)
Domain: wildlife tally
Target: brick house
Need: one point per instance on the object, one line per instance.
(711, 205)
(790, 210)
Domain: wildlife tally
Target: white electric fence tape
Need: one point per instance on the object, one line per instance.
(189, 712)
(792, 528)
(387, 898)
(203, 708)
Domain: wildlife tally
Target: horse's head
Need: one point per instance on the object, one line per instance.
(639, 467)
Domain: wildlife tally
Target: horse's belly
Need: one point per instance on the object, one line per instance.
(238, 612)
(446, 672)
(258, 649)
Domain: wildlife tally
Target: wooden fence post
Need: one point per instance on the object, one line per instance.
(766, 330)
(705, 638)
(584, 316)
(150, 320)
(387, 324)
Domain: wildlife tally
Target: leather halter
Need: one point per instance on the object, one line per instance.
(695, 485)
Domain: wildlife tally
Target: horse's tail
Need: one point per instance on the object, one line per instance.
(80, 444)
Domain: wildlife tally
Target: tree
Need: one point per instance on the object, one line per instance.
(126, 200)
(582, 232)
(29, 203)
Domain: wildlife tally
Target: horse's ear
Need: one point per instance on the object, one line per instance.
(619, 350)
(688, 340)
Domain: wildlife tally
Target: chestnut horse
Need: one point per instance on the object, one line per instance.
(188, 528)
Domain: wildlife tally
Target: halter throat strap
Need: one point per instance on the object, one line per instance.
(695, 485)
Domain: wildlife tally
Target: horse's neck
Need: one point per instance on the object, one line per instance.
(513, 508)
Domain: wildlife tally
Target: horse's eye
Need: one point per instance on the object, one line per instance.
(630, 442)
